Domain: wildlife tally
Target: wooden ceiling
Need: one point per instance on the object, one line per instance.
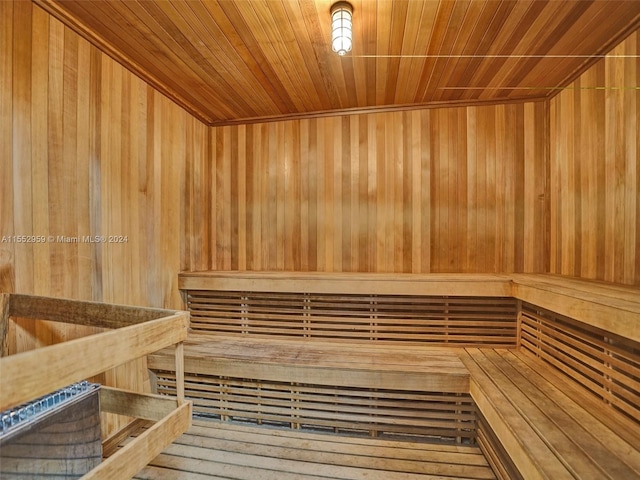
(237, 61)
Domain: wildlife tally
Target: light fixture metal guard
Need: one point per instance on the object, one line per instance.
(341, 27)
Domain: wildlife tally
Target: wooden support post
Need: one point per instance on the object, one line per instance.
(518, 323)
(180, 372)
(4, 324)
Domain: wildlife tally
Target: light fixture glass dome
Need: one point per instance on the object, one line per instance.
(341, 27)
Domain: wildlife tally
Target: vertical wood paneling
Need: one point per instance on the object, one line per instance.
(440, 190)
(87, 149)
(7, 274)
(595, 184)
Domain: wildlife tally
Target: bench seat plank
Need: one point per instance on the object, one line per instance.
(531, 455)
(547, 432)
(616, 434)
(220, 450)
(325, 363)
(469, 284)
(611, 307)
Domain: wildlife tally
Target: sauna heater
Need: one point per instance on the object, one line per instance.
(55, 436)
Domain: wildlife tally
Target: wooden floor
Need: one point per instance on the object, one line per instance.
(212, 450)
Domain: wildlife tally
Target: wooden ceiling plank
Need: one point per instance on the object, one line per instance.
(279, 41)
(152, 14)
(438, 34)
(94, 25)
(497, 32)
(383, 35)
(566, 70)
(396, 38)
(506, 30)
(281, 35)
(422, 43)
(454, 33)
(247, 45)
(187, 36)
(157, 60)
(451, 32)
(469, 27)
(302, 55)
(218, 46)
(361, 32)
(413, 22)
(514, 70)
(589, 28)
(315, 49)
(259, 19)
(369, 47)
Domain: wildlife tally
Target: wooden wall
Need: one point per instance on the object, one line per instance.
(87, 149)
(434, 190)
(595, 172)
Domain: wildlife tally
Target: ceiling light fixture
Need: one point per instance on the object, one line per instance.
(341, 34)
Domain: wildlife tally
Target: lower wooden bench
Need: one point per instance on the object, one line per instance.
(212, 450)
(377, 390)
(547, 426)
(533, 421)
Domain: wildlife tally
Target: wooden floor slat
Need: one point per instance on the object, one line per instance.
(216, 450)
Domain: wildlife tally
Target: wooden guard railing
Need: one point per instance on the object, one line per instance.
(130, 333)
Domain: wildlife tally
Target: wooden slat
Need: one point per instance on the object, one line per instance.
(605, 364)
(320, 385)
(584, 453)
(615, 432)
(133, 404)
(111, 443)
(496, 455)
(618, 316)
(520, 395)
(134, 456)
(304, 312)
(4, 324)
(94, 314)
(225, 450)
(529, 453)
(354, 283)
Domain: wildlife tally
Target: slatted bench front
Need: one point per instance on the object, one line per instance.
(436, 310)
(346, 388)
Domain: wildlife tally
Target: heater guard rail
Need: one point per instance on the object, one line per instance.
(130, 333)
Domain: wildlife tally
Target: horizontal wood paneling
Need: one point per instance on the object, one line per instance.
(87, 149)
(438, 190)
(595, 172)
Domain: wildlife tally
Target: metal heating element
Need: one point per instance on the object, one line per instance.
(55, 436)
